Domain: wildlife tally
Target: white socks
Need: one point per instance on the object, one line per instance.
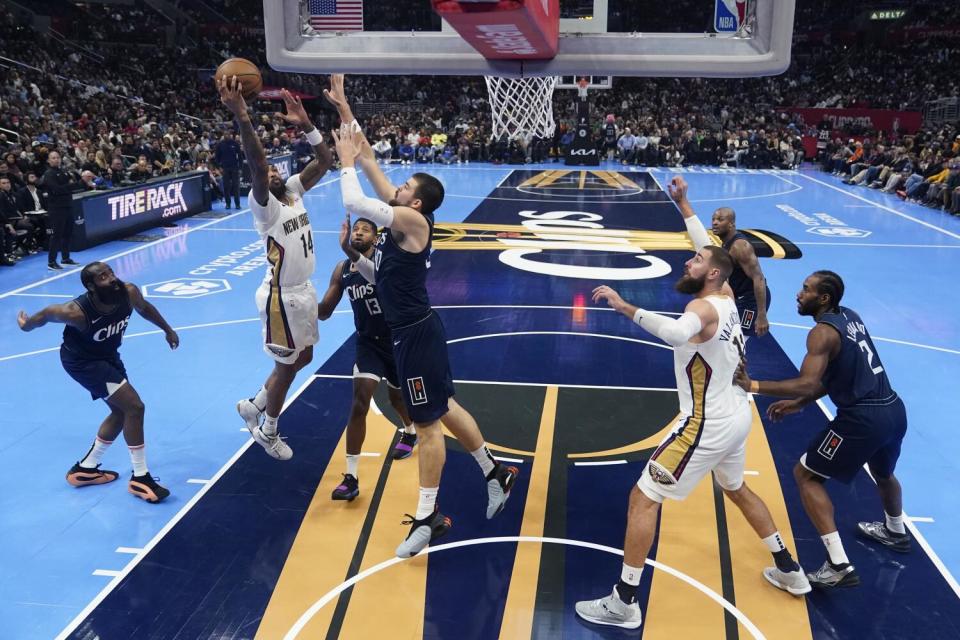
(138, 456)
(631, 575)
(774, 543)
(352, 462)
(408, 428)
(427, 503)
(260, 400)
(269, 425)
(834, 548)
(894, 523)
(99, 447)
(485, 459)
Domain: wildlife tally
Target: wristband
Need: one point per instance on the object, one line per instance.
(314, 138)
(754, 386)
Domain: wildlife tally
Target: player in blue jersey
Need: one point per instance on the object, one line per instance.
(842, 362)
(95, 324)
(374, 355)
(749, 285)
(399, 269)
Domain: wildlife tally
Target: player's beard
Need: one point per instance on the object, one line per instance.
(110, 294)
(808, 309)
(278, 189)
(689, 284)
(361, 246)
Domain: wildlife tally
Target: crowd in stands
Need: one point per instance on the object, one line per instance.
(120, 113)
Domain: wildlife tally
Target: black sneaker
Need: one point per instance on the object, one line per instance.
(83, 476)
(404, 447)
(831, 576)
(423, 532)
(146, 488)
(348, 489)
(53, 266)
(878, 532)
(69, 261)
(499, 483)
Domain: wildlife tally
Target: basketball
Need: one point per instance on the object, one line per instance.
(247, 73)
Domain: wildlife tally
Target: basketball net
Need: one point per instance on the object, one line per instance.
(522, 106)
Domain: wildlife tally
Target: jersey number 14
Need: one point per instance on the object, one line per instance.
(307, 240)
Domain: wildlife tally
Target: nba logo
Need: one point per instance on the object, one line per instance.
(418, 395)
(729, 15)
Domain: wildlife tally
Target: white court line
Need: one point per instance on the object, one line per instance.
(513, 460)
(45, 295)
(340, 376)
(598, 463)
(120, 575)
(884, 207)
(369, 454)
(762, 195)
(185, 231)
(559, 333)
(751, 473)
(307, 615)
(908, 521)
(877, 339)
(106, 572)
(375, 407)
(858, 206)
(133, 550)
(881, 245)
(918, 519)
(198, 480)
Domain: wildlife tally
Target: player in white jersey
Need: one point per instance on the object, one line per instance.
(286, 300)
(711, 434)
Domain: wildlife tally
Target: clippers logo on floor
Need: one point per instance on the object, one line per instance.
(828, 448)
(418, 394)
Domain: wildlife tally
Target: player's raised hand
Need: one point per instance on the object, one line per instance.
(778, 410)
(296, 114)
(230, 96)
(678, 189)
(345, 232)
(336, 95)
(348, 144)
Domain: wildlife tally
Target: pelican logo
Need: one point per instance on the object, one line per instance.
(659, 474)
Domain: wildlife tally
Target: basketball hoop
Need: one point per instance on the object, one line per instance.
(522, 106)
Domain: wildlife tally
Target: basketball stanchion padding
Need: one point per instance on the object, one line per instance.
(508, 29)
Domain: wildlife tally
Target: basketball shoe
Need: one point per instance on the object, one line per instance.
(423, 532)
(83, 476)
(878, 532)
(146, 488)
(611, 611)
(499, 483)
(348, 489)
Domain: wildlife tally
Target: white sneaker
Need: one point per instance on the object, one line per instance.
(794, 582)
(273, 445)
(610, 611)
(252, 416)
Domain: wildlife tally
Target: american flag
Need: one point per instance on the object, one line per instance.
(336, 15)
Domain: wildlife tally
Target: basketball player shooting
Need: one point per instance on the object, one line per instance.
(399, 270)
(286, 300)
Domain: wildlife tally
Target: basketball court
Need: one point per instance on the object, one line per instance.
(573, 394)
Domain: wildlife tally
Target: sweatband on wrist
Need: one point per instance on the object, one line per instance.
(377, 211)
(314, 137)
(674, 332)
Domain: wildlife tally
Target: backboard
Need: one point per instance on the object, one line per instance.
(716, 38)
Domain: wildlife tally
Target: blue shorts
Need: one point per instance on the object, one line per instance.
(374, 360)
(859, 435)
(423, 368)
(100, 377)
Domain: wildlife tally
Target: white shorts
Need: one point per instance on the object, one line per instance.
(288, 320)
(692, 450)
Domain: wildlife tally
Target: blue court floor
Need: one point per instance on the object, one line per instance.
(78, 562)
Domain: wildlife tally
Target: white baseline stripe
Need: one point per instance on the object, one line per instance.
(133, 550)
(884, 207)
(919, 519)
(199, 480)
(878, 339)
(45, 295)
(369, 454)
(120, 575)
(877, 244)
(106, 572)
(751, 473)
(513, 460)
(598, 463)
(907, 520)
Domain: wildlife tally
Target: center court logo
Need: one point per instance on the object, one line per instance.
(839, 232)
(551, 231)
(184, 288)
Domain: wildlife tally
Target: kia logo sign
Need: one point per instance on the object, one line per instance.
(583, 152)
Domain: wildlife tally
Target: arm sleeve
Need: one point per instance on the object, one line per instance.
(367, 269)
(358, 204)
(674, 332)
(698, 234)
